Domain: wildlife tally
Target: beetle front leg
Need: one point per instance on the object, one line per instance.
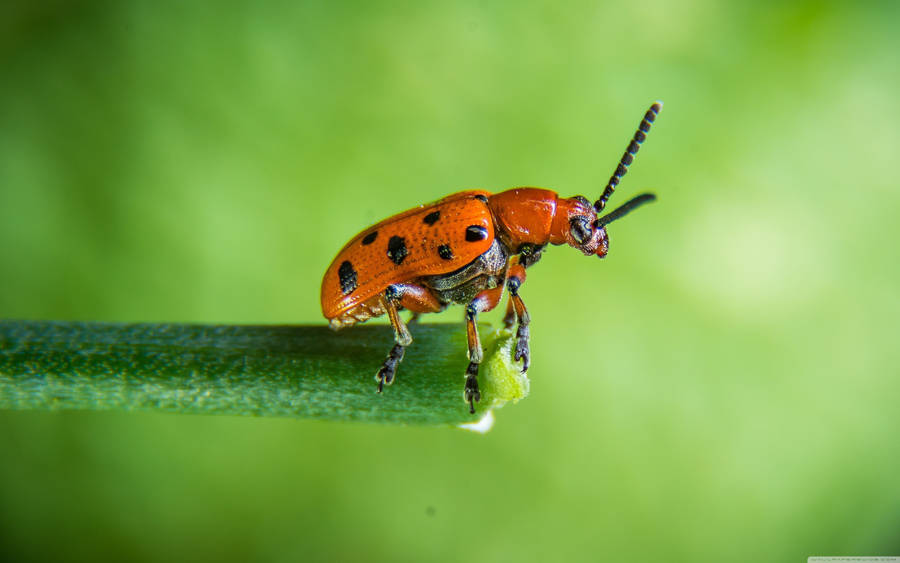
(513, 283)
(483, 302)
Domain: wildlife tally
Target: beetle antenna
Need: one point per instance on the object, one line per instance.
(639, 136)
(624, 209)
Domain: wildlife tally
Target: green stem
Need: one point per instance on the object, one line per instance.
(293, 371)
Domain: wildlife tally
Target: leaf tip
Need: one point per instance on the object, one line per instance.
(481, 426)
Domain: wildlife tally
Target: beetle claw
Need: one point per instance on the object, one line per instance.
(385, 375)
(523, 351)
(472, 393)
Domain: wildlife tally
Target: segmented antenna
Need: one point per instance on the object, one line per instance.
(624, 209)
(639, 136)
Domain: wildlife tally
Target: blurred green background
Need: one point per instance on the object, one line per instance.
(723, 387)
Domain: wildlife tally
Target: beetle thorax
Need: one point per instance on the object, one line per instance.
(524, 216)
(485, 272)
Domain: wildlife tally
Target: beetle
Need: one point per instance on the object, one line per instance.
(466, 248)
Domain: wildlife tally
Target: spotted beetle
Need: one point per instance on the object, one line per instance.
(466, 248)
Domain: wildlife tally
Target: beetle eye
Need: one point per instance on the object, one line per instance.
(580, 228)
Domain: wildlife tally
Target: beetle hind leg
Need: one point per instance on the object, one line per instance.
(402, 339)
(385, 375)
(418, 300)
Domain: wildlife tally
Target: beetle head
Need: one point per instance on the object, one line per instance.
(592, 230)
(577, 221)
(586, 231)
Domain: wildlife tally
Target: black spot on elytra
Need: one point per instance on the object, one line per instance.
(396, 250)
(347, 275)
(370, 238)
(445, 252)
(475, 233)
(432, 218)
(481, 197)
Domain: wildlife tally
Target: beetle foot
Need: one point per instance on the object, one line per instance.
(523, 352)
(472, 394)
(385, 375)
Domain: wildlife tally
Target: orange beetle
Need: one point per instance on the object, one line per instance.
(465, 248)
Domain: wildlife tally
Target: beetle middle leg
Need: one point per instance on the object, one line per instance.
(418, 300)
(483, 302)
(516, 310)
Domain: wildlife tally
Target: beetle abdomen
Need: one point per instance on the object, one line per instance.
(487, 271)
(370, 309)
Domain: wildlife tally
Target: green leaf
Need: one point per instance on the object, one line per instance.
(290, 371)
